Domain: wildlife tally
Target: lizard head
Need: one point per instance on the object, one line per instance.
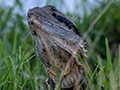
(49, 17)
(55, 26)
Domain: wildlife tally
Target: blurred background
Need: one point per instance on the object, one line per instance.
(19, 65)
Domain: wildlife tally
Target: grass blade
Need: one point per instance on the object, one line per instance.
(15, 40)
(109, 64)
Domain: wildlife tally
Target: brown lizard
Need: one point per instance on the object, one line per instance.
(57, 43)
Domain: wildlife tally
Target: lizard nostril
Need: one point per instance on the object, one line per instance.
(28, 15)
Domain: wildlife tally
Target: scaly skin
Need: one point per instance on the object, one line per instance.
(57, 44)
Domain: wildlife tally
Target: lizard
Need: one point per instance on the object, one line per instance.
(57, 42)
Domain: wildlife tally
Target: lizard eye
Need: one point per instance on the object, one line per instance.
(54, 14)
(34, 33)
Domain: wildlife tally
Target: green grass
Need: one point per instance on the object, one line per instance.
(16, 72)
(15, 68)
(20, 68)
(107, 74)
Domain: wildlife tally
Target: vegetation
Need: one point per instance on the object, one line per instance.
(20, 68)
